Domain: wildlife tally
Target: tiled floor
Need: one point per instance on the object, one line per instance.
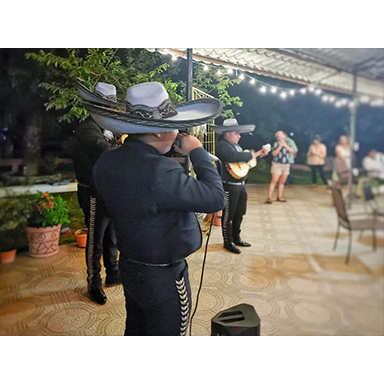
(295, 281)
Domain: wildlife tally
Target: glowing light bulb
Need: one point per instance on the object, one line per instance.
(303, 91)
(292, 92)
(311, 88)
(174, 58)
(318, 92)
(230, 71)
(253, 81)
(365, 99)
(273, 90)
(332, 99)
(219, 72)
(263, 89)
(325, 98)
(283, 95)
(205, 68)
(241, 77)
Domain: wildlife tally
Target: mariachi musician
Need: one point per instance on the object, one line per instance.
(229, 151)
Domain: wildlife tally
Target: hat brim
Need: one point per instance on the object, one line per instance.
(230, 128)
(190, 114)
(91, 97)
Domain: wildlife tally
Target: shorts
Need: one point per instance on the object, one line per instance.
(280, 169)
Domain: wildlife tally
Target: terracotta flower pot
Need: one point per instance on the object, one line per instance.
(81, 237)
(43, 242)
(8, 256)
(217, 219)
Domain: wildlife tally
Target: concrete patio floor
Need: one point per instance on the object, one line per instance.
(295, 281)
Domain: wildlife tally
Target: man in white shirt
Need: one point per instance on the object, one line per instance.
(373, 164)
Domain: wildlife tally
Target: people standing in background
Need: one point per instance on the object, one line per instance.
(291, 157)
(343, 161)
(317, 152)
(280, 167)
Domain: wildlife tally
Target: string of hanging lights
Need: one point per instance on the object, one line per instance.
(286, 93)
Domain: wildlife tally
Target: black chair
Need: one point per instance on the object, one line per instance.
(344, 220)
(371, 201)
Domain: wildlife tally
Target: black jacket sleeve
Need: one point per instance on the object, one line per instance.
(227, 153)
(92, 140)
(178, 192)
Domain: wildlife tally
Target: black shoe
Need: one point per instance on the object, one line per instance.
(242, 243)
(232, 247)
(112, 279)
(97, 295)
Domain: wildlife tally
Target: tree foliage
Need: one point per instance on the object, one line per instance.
(122, 68)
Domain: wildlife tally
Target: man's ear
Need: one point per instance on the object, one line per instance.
(157, 135)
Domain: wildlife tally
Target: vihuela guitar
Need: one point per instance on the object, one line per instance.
(240, 170)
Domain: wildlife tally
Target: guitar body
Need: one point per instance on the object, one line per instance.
(240, 170)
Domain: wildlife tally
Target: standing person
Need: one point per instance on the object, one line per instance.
(91, 142)
(152, 203)
(291, 157)
(317, 152)
(280, 167)
(229, 151)
(343, 161)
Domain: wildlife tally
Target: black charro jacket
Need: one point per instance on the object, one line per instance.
(229, 153)
(152, 202)
(90, 143)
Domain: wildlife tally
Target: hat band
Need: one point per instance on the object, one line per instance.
(109, 97)
(164, 110)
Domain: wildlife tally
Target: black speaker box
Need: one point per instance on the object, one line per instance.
(241, 320)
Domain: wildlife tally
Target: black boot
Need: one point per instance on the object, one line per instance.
(113, 278)
(97, 295)
(242, 243)
(231, 247)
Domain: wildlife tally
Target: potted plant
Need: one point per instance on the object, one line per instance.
(81, 237)
(47, 215)
(13, 217)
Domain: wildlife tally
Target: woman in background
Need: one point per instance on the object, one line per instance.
(280, 166)
(317, 152)
(343, 161)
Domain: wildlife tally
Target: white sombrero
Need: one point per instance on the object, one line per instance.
(149, 109)
(232, 125)
(104, 94)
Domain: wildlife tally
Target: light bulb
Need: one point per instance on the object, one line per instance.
(292, 92)
(230, 71)
(325, 98)
(273, 90)
(205, 68)
(303, 91)
(318, 92)
(174, 58)
(241, 77)
(332, 99)
(253, 81)
(263, 89)
(283, 95)
(311, 88)
(219, 72)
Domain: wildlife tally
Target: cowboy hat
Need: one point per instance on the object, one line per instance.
(149, 109)
(232, 125)
(104, 94)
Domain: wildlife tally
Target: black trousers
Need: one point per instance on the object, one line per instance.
(234, 210)
(315, 169)
(101, 239)
(157, 298)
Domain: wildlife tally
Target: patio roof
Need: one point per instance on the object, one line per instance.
(328, 68)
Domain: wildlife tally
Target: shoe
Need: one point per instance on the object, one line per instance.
(282, 200)
(97, 295)
(231, 247)
(268, 201)
(113, 279)
(242, 243)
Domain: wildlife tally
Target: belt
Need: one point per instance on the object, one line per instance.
(232, 183)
